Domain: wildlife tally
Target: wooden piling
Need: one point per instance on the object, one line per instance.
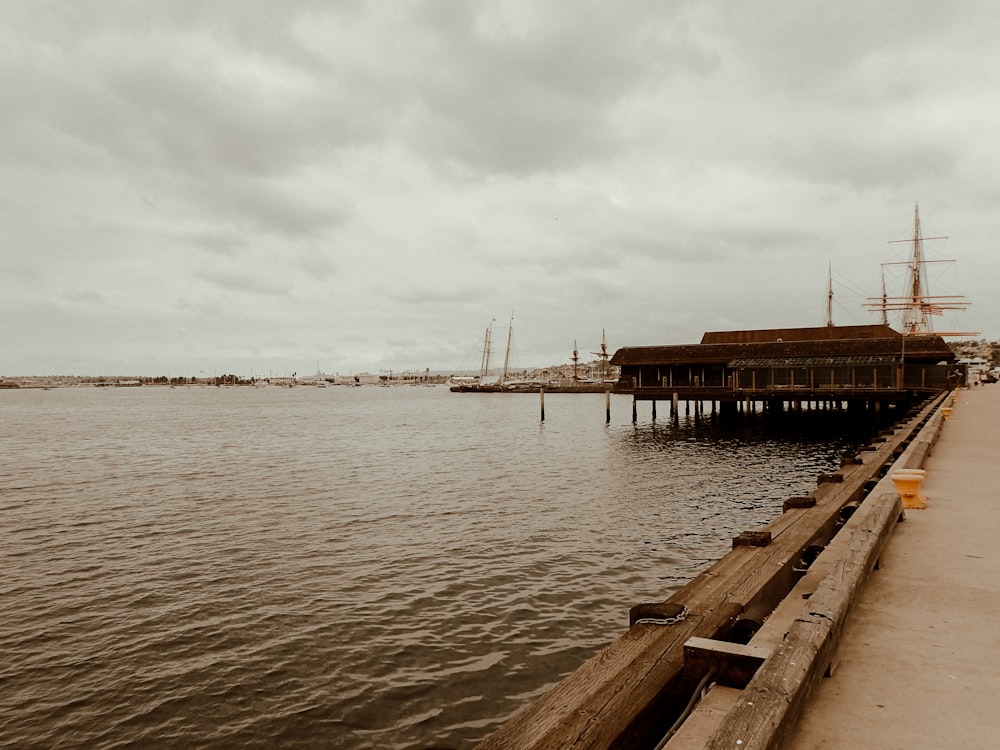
(541, 399)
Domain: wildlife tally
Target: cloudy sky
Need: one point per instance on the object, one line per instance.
(250, 186)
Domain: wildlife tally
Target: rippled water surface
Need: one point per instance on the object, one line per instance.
(345, 567)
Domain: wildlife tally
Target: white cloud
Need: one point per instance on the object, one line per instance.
(367, 184)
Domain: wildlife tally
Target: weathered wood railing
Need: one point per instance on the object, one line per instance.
(632, 692)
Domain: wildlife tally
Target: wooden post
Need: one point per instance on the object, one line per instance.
(607, 407)
(541, 399)
(635, 416)
(654, 409)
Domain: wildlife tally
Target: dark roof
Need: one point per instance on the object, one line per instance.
(820, 333)
(794, 347)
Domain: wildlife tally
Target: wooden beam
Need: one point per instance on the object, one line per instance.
(775, 697)
(731, 664)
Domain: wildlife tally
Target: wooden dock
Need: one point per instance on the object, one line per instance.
(920, 657)
(738, 656)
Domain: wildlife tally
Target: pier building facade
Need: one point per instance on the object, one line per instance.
(822, 364)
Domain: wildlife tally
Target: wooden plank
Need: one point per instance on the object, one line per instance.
(774, 699)
(707, 717)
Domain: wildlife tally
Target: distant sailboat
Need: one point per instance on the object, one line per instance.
(481, 384)
(543, 379)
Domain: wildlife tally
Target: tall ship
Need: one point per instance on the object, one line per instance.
(481, 383)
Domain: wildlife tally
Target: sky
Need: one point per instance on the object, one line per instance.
(241, 186)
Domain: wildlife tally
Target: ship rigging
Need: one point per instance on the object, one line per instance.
(916, 307)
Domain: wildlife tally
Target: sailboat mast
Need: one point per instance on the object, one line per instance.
(485, 364)
(506, 356)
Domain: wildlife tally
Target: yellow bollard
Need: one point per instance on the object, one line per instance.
(907, 483)
(946, 410)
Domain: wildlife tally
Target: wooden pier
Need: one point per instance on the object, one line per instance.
(730, 660)
(919, 660)
(786, 368)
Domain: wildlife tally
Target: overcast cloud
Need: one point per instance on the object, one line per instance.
(242, 186)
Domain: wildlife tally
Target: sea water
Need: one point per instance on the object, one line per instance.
(344, 567)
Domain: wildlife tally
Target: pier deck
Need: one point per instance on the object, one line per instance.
(920, 655)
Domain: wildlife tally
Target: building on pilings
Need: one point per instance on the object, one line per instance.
(867, 363)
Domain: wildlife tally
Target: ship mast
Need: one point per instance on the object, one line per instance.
(575, 359)
(506, 356)
(829, 296)
(917, 312)
(916, 306)
(885, 301)
(485, 364)
(603, 354)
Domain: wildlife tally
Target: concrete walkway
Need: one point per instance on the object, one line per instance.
(920, 657)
